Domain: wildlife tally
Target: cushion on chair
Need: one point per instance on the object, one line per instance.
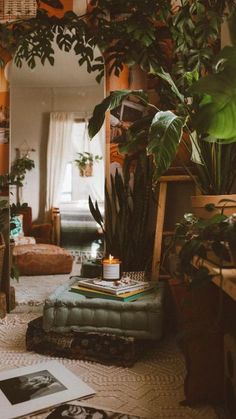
(41, 232)
(65, 311)
(16, 230)
(42, 259)
(18, 241)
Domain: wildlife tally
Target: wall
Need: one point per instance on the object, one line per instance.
(30, 108)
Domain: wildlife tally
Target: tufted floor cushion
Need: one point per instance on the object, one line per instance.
(100, 347)
(65, 311)
(42, 259)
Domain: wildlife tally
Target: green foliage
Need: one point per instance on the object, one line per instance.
(16, 208)
(86, 158)
(164, 136)
(195, 29)
(203, 239)
(127, 32)
(217, 110)
(19, 169)
(208, 119)
(4, 214)
(126, 231)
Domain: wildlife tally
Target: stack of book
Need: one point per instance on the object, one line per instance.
(125, 289)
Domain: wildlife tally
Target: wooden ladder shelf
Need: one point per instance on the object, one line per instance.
(160, 218)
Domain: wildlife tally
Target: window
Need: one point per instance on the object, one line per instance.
(66, 194)
(77, 189)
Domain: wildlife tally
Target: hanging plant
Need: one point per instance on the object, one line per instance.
(85, 163)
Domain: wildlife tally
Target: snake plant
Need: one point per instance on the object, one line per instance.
(126, 231)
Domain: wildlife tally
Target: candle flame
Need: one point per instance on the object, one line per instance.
(111, 258)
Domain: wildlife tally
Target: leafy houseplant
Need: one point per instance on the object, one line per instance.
(213, 239)
(4, 220)
(203, 119)
(85, 163)
(19, 168)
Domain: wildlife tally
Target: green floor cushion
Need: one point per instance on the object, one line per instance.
(65, 311)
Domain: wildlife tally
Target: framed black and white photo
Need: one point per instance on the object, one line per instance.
(76, 410)
(131, 111)
(38, 387)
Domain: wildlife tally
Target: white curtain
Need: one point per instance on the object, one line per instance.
(59, 146)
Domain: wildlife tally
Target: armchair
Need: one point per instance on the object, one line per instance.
(41, 232)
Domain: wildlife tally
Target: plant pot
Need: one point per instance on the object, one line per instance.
(86, 171)
(200, 201)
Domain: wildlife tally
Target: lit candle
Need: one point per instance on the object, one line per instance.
(111, 269)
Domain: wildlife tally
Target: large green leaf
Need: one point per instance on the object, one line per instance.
(164, 137)
(217, 114)
(159, 71)
(111, 102)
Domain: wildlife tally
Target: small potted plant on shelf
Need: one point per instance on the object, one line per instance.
(197, 241)
(85, 162)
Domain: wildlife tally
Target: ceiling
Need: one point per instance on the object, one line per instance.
(65, 72)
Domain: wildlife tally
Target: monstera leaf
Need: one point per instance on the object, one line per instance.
(217, 112)
(164, 137)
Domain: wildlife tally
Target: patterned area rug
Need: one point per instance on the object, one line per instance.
(33, 290)
(152, 388)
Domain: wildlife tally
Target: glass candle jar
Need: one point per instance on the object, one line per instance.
(111, 269)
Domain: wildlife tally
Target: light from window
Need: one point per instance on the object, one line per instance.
(66, 194)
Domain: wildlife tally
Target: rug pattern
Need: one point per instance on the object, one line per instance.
(152, 388)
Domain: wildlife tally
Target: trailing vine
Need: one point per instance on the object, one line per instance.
(149, 33)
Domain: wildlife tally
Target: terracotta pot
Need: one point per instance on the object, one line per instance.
(200, 201)
(86, 171)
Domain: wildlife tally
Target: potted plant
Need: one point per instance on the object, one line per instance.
(127, 227)
(203, 120)
(85, 162)
(197, 240)
(204, 248)
(19, 168)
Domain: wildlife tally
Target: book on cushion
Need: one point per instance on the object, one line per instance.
(126, 296)
(114, 287)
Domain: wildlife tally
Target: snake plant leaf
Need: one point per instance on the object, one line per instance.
(111, 102)
(216, 116)
(164, 137)
(95, 212)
